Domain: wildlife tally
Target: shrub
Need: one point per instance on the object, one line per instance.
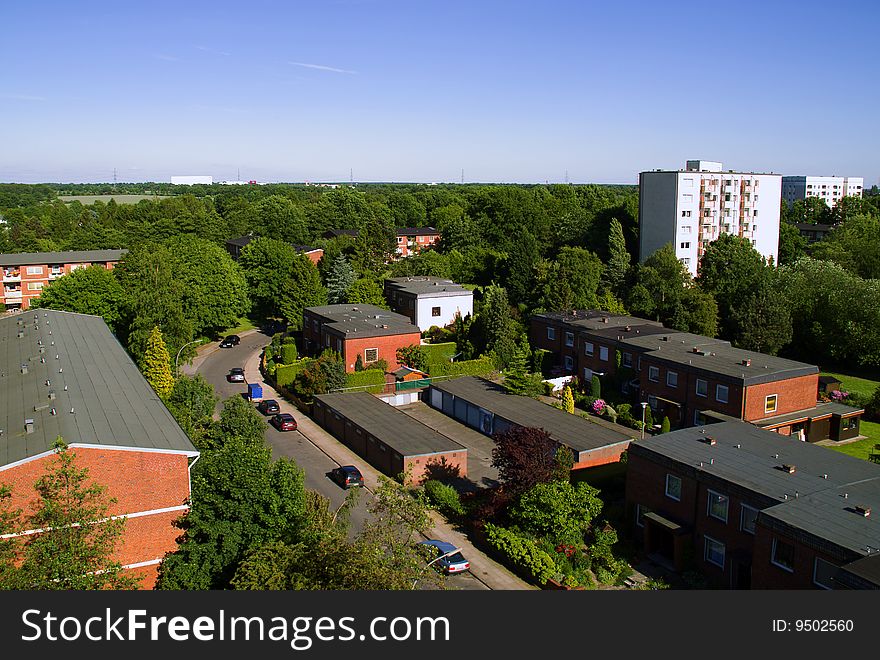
(286, 374)
(445, 498)
(413, 356)
(548, 389)
(378, 365)
(598, 406)
(523, 554)
(369, 380)
(270, 367)
(288, 353)
(595, 387)
(479, 367)
(665, 426)
(624, 409)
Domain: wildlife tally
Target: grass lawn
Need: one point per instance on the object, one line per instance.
(244, 323)
(862, 386)
(120, 199)
(862, 448)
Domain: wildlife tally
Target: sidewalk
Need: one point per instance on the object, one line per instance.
(204, 351)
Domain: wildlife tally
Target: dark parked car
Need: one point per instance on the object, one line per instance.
(230, 341)
(452, 562)
(347, 476)
(269, 407)
(284, 422)
(235, 375)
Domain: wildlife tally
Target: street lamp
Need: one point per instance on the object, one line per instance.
(445, 554)
(177, 357)
(644, 408)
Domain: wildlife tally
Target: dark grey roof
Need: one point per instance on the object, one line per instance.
(594, 319)
(332, 233)
(113, 406)
(363, 320)
(416, 231)
(69, 257)
(573, 431)
(810, 499)
(305, 248)
(820, 410)
(620, 333)
(395, 428)
(717, 357)
(808, 226)
(242, 241)
(427, 287)
(862, 573)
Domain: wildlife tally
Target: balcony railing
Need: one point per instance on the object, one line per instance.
(12, 293)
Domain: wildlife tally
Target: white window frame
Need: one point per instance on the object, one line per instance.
(589, 349)
(34, 286)
(367, 360)
(627, 360)
(710, 494)
(569, 363)
(742, 519)
(767, 398)
(789, 569)
(705, 393)
(603, 353)
(551, 332)
(673, 497)
(708, 540)
(569, 338)
(34, 270)
(652, 369)
(718, 398)
(674, 375)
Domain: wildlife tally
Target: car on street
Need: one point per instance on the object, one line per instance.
(269, 407)
(283, 422)
(230, 341)
(347, 476)
(446, 557)
(235, 375)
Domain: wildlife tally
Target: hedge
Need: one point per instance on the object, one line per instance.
(285, 374)
(444, 497)
(523, 554)
(288, 353)
(479, 367)
(371, 380)
(439, 354)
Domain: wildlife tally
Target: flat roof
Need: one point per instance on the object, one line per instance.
(93, 376)
(386, 423)
(716, 172)
(69, 257)
(416, 231)
(866, 569)
(819, 410)
(810, 499)
(594, 319)
(363, 320)
(427, 287)
(242, 241)
(574, 431)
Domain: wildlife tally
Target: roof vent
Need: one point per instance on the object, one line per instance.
(29, 426)
(20, 334)
(24, 368)
(863, 510)
(628, 328)
(746, 363)
(785, 467)
(737, 446)
(604, 319)
(51, 395)
(53, 412)
(709, 440)
(664, 338)
(824, 476)
(711, 461)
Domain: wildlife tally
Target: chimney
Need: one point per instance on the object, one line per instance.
(29, 426)
(747, 363)
(24, 368)
(788, 468)
(863, 510)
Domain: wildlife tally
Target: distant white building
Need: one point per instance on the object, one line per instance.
(831, 189)
(690, 208)
(428, 301)
(189, 180)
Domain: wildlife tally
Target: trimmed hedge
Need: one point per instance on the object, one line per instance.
(522, 554)
(288, 353)
(285, 374)
(479, 367)
(371, 380)
(438, 354)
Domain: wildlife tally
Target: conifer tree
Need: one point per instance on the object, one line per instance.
(665, 426)
(156, 365)
(339, 280)
(568, 400)
(618, 258)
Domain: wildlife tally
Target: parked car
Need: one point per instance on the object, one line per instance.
(452, 562)
(283, 422)
(269, 407)
(235, 375)
(347, 476)
(230, 341)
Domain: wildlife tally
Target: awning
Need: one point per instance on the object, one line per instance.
(674, 403)
(671, 525)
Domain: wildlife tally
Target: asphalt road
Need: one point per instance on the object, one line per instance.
(293, 444)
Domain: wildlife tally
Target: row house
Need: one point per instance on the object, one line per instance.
(25, 274)
(428, 301)
(409, 240)
(693, 379)
(353, 331)
(234, 246)
(748, 511)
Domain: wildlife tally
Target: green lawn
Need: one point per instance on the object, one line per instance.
(119, 199)
(862, 448)
(862, 386)
(244, 323)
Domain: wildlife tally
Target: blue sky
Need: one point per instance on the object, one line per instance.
(419, 90)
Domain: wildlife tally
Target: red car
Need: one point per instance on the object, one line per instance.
(284, 422)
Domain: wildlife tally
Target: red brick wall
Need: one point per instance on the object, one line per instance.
(43, 276)
(601, 456)
(419, 465)
(315, 256)
(769, 576)
(387, 346)
(646, 485)
(793, 394)
(538, 337)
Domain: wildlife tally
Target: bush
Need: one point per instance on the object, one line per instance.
(548, 389)
(479, 367)
(370, 380)
(542, 361)
(595, 388)
(523, 554)
(378, 365)
(445, 498)
(665, 426)
(286, 374)
(288, 353)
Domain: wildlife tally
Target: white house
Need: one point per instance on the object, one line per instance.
(831, 189)
(428, 301)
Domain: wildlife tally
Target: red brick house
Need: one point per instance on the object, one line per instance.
(748, 511)
(367, 331)
(412, 240)
(26, 274)
(234, 246)
(66, 375)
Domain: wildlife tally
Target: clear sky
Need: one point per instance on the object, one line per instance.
(417, 90)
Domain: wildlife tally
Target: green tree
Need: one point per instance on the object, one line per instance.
(595, 387)
(618, 258)
(367, 291)
(339, 280)
(412, 356)
(191, 402)
(792, 246)
(303, 289)
(93, 290)
(665, 426)
(74, 553)
(763, 323)
(855, 245)
(376, 242)
(522, 258)
(282, 219)
(568, 400)
(240, 419)
(517, 379)
(268, 267)
(558, 511)
(156, 364)
(571, 282)
(812, 210)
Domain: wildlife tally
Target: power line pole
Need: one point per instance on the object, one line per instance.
(462, 176)
(351, 176)
(114, 177)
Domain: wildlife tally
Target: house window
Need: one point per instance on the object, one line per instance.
(747, 517)
(673, 487)
(686, 245)
(435, 311)
(717, 506)
(603, 353)
(654, 374)
(588, 348)
(714, 552)
(371, 355)
(627, 360)
(569, 363)
(823, 573)
(315, 326)
(34, 270)
(685, 229)
(35, 286)
(721, 392)
(770, 404)
(849, 424)
(783, 555)
(640, 515)
(652, 401)
(569, 339)
(702, 387)
(671, 379)
(551, 333)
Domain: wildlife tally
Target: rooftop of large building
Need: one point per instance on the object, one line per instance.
(69, 257)
(69, 375)
(363, 320)
(811, 488)
(594, 319)
(427, 287)
(391, 426)
(242, 241)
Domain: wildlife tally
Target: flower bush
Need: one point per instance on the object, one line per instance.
(839, 395)
(598, 406)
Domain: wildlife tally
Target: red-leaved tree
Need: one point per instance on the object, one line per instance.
(527, 456)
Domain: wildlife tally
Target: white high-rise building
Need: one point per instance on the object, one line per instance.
(829, 188)
(690, 208)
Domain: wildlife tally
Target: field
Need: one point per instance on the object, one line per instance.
(120, 199)
(863, 448)
(861, 386)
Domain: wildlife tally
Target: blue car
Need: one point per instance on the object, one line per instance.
(452, 562)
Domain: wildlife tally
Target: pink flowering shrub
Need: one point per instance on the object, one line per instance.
(598, 406)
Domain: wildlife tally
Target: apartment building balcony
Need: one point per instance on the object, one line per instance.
(55, 274)
(10, 275)
(12, 294)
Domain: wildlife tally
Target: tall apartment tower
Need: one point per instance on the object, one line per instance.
(690, 208)
(829, 188)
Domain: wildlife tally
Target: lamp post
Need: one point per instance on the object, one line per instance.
(644, 407)
(177, 357)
